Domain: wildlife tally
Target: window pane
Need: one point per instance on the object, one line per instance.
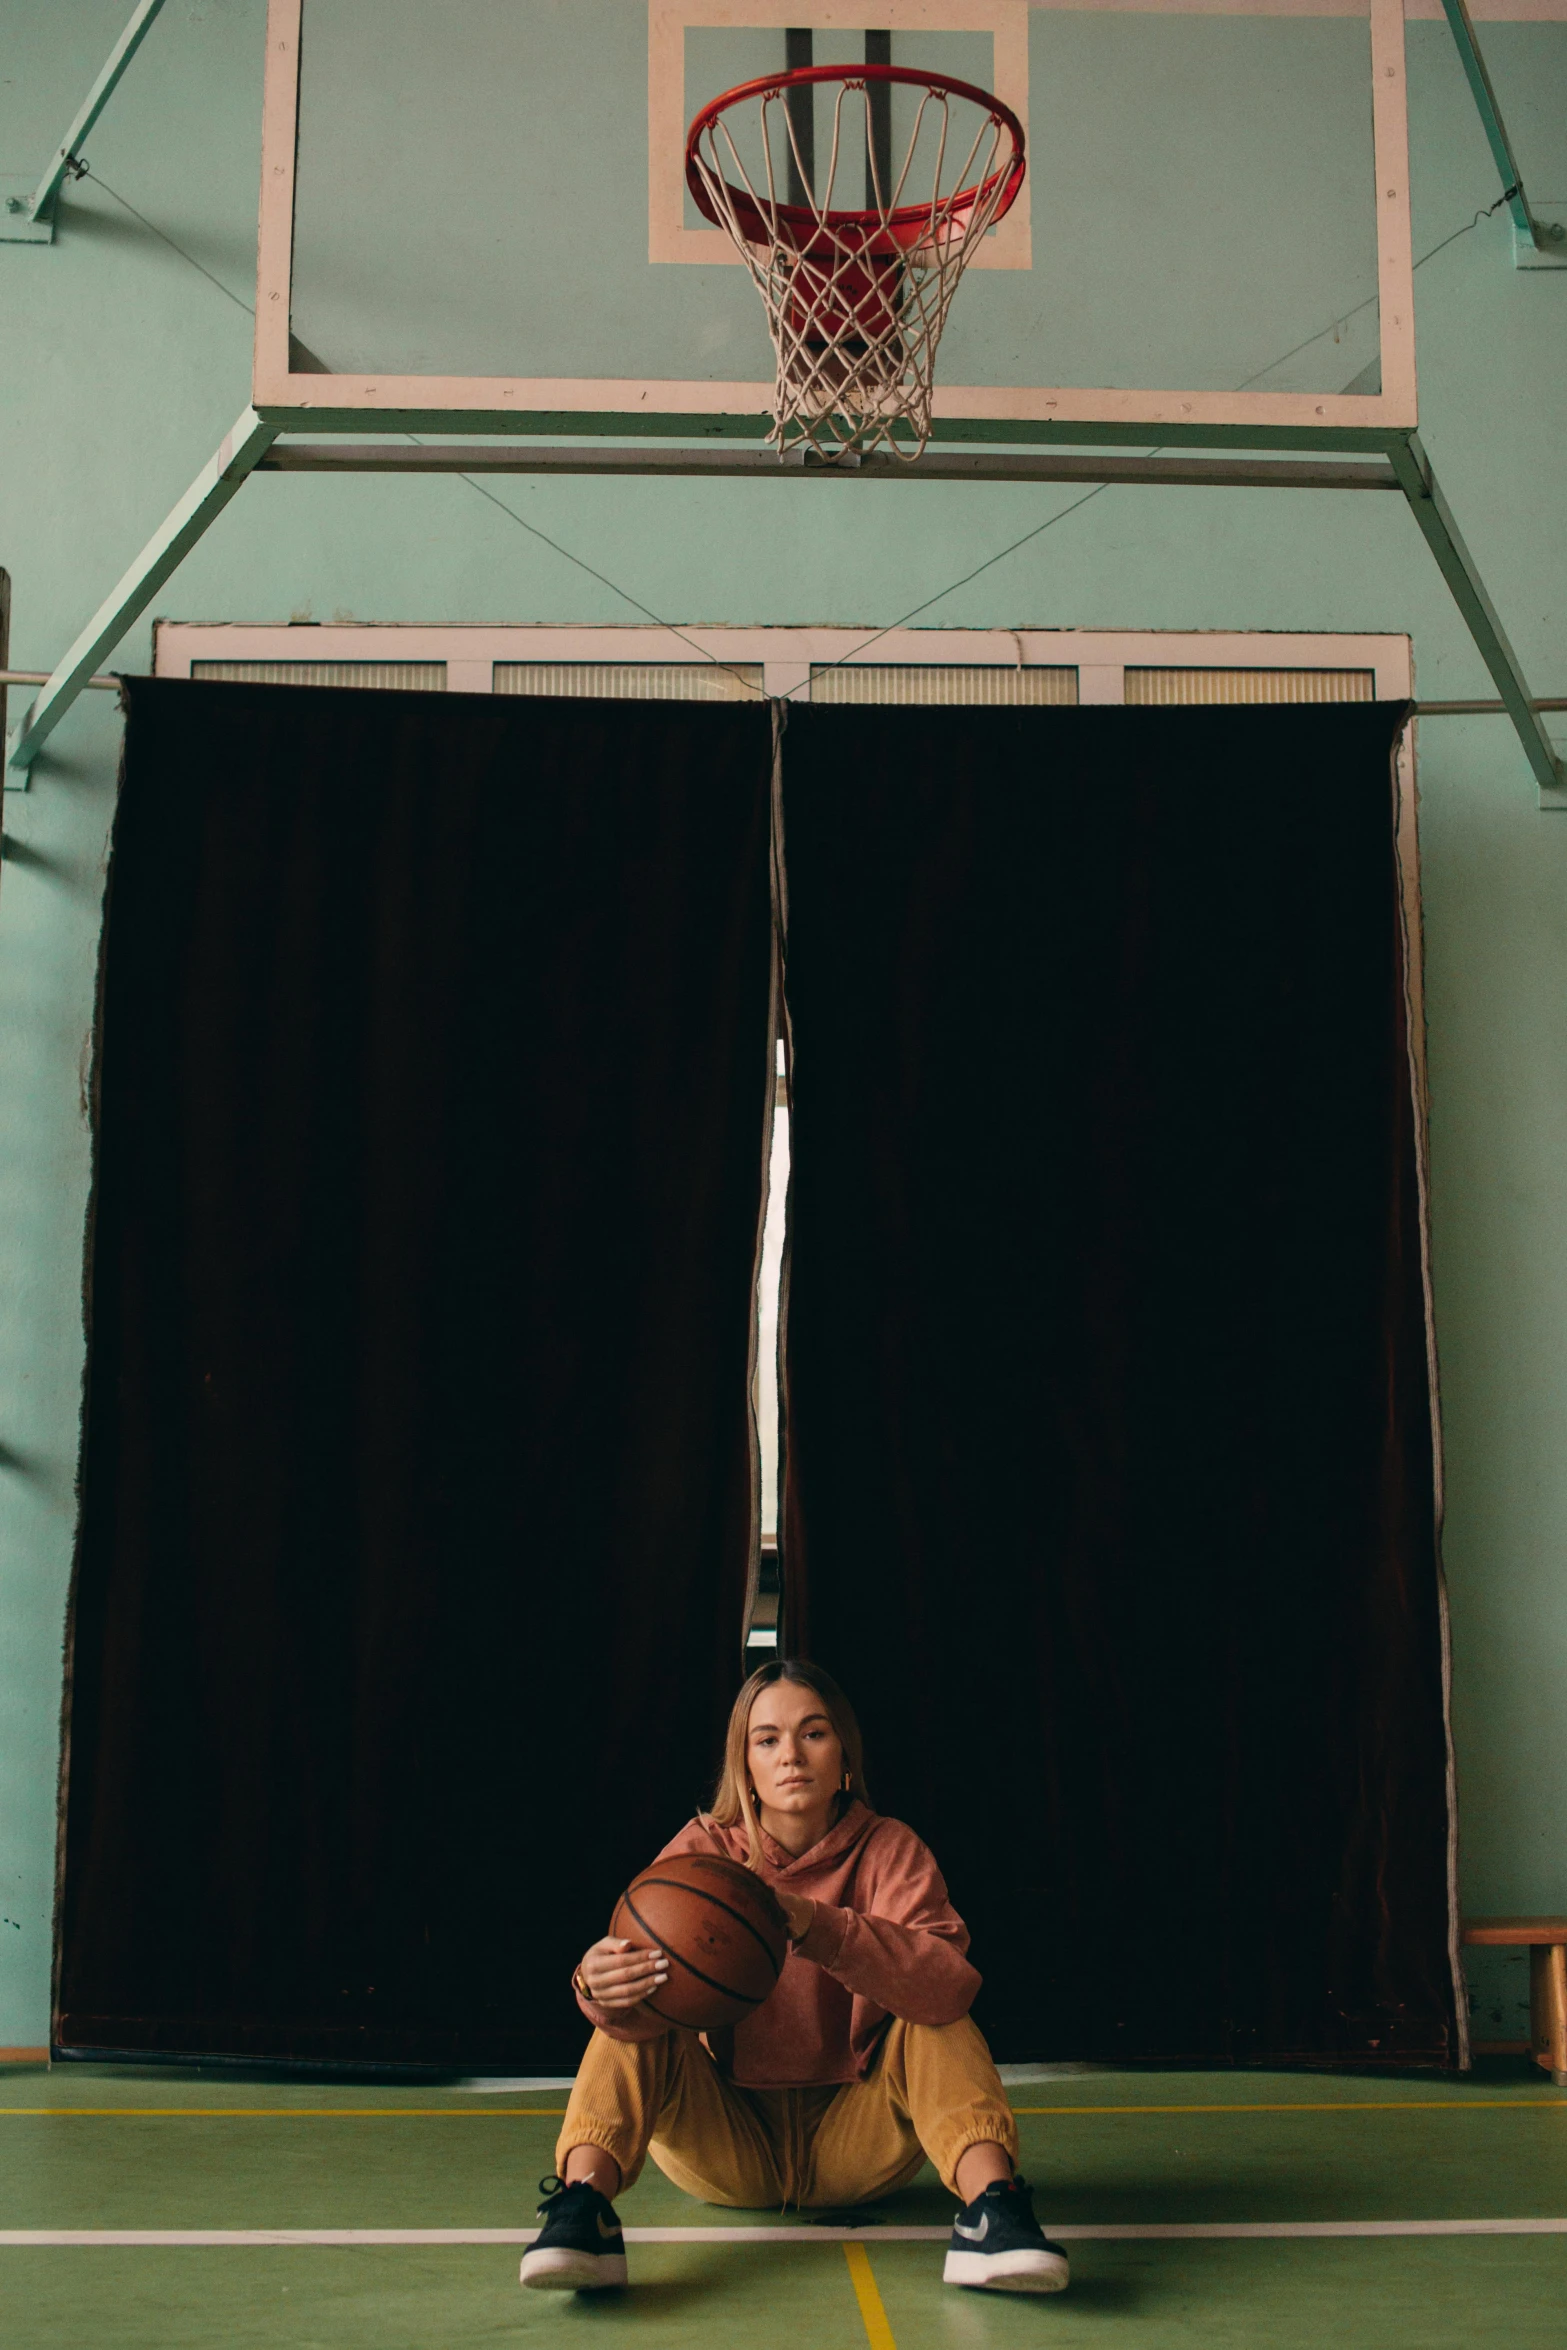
(427, 677)
(634, 681)
(867, 681)
(1250, 685)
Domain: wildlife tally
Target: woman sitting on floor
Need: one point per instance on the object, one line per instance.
(861, 2063)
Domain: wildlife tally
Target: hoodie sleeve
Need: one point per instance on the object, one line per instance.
(904, 1948)
(632, 2023)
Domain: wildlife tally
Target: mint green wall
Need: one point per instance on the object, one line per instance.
(120, 368)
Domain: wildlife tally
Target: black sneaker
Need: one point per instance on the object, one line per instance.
(580, 2248)
(997, 2242)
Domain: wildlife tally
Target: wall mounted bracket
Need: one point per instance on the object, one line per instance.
(1547, 249)
(255, 443)
(18, 226)
(29, 220)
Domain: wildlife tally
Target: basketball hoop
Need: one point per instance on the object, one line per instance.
(856, 299)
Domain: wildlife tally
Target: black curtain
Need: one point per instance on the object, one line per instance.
(1110, 1453)
(433, 1069)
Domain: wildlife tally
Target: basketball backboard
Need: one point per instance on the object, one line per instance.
(474, 218)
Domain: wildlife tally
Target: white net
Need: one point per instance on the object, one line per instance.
(856, 299)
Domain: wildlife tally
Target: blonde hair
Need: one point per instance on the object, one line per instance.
(733, 1802)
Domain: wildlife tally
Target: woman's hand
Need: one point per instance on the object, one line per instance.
(622, 1974)
(798, 1912)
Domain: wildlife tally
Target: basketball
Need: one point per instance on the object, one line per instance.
(721, 1930)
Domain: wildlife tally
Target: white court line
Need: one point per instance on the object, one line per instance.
(1177, 2230)
(505, 2084)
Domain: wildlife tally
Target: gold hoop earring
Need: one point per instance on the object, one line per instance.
(848, 1783)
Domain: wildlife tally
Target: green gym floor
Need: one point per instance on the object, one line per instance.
(1203, 2210)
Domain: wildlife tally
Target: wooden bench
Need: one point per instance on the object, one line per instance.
(1545, 1939)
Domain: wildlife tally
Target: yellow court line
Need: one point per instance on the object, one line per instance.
(289, 2113)
(871, 2310)
(512, 2113)
(1333, 2105)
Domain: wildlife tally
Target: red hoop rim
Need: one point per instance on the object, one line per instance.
(810, 223)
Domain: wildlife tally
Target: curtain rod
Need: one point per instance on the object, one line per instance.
(1421, 709)
(1478, 709)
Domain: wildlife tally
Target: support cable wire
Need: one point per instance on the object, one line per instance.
(1089, 496)
(80, 170)
(603, 577)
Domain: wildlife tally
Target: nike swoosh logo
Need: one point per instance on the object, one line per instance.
(973, 2235)
(609, 2229)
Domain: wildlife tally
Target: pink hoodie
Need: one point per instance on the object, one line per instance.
(885, 1940)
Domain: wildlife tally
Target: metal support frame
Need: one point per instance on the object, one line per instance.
(1538, 243)
(730, 464)
(201, 505)
(1457, 566)
(254, 445)
(30, 220)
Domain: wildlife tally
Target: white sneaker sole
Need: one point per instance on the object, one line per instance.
(557, 2269)
(1024, 2271)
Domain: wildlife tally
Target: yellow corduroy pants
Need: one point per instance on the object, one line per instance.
(932, 2091)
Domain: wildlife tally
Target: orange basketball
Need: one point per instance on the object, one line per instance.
(721, 1930)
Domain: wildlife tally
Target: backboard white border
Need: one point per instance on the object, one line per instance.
(1009, 246)
(597, 407)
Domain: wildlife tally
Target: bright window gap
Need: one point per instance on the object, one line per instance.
(764, 1621)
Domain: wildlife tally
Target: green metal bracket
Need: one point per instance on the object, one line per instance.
(1441, 533)
(29, 220)
(1549, 248)
(1539, 240)
(202, 503)
(17, 225)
